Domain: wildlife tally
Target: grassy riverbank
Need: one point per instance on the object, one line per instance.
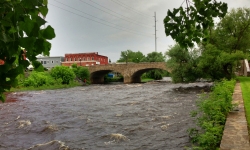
(245, 84)
(45, 87)
(211, 116)
(146, 79)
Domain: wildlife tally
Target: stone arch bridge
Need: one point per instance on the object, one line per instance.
(131, 71)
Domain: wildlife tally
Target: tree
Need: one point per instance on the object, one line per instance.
(230, 39)
(233, 32)
(219, 55)
(218, 64)
(83, 73)
(130, 56)
(184, 64)
(192, 24)
(154, 57)
(21, 33)
(63, 73)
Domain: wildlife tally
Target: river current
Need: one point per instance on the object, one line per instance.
(150, 116)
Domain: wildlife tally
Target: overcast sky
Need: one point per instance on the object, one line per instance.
(111, 26)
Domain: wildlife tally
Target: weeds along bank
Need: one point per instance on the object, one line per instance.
(210, 116)
(58, 77)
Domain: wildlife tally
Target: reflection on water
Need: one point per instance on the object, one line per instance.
(118, 116)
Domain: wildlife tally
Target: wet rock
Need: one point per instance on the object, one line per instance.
(52, 145)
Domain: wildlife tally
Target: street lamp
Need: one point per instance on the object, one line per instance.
(80, 61)
(126, 58)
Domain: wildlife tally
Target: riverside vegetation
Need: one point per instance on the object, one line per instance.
(211, 115)
(57, 77)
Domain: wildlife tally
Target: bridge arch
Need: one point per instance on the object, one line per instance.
(131, 72)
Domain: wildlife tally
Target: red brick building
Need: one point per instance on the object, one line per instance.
(85, 59)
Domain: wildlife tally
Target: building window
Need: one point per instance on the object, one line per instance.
(41, 62)
(84, 58)
(88, 58)
(44, 62)
(92, 58)
(52, 61)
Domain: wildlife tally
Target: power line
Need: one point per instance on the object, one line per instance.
(111, 13)
(155, 33)
(128, 7)
(99, 22)
(118, 13)
(97, 17)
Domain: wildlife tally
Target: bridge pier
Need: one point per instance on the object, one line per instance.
(129, 79)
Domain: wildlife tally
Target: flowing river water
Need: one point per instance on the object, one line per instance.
(152, 116)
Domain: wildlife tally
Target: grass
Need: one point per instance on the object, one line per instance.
(146, 79)
(45, 87)
(245, 87)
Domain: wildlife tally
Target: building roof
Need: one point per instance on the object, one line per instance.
(48, 56)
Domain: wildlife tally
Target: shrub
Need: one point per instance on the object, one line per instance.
(83, 73)
(64, 73)
(154, 74)
(37, 79)
(211, 116)
(74, 65)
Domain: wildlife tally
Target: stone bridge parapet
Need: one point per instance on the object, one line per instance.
(130, 71)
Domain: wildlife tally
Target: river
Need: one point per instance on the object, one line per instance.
(152, 116)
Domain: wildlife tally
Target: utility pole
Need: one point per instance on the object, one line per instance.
(155, 33)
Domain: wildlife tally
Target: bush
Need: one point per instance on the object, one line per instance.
(211, 116)
(37, 79)
(83, 73)
(156, 74)
(64, 73)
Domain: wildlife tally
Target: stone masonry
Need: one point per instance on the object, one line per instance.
(131, 71)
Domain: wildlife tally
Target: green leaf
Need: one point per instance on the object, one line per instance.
(49, 33)
(14, 82)
(175, 11)
(170, 13)
(39, 68)
(5, 37)
(27, 42)
(45, 2)
(2, 97)
(43, 10)
(47, 47)
(40, 21)
(167, 19)
(39, 46)
(27, 25)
